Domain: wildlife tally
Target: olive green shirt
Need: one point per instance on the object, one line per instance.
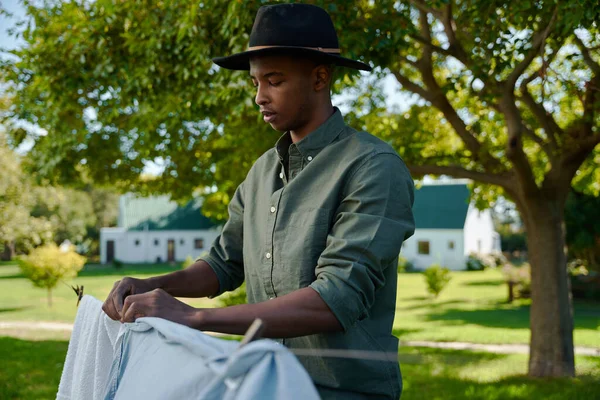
(336, 224)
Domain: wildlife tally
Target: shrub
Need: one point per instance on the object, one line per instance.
(187, 262)
(235, 297)
(48, 264)
(117, 264)
(404, 265)
(437, 278)
(520, 278)
(479, 262)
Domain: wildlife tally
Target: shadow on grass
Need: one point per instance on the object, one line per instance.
(432, 303)
(443, 374)
(511, 318)
(11, 309)
(30, 369)
(92, 270)
(399, 332)
(13, 276)
(495, 282)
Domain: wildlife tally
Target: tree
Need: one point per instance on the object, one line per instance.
(48, 264)
(18, 228)
(506, 94)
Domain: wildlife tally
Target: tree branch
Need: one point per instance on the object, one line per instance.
(438, 98)
(587, 57)
(425, 8)
(539, 39)
(546, 147)
(457, 171)
(456, 48)
(514, 145)
(413, 87)
(435, 48)
(545, 119)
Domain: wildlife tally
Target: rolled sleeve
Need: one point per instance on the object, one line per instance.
(225, 256)
(373, 219)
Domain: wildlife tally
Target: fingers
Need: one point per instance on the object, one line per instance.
(124, 288)
(132, 310)
(109, 306)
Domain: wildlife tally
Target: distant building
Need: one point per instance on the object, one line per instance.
(156, 229)
(448, 227)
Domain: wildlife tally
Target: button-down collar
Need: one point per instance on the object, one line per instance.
(314, 142)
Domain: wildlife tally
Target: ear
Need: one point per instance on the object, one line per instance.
(322, 74)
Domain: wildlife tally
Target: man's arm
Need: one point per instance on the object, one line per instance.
(219, 271)
(197, 280)
(299, 313)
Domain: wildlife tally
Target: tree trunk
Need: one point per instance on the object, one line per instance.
(49, 297)
(551, 348)
(9, 251)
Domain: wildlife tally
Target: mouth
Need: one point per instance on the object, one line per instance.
(268, 116)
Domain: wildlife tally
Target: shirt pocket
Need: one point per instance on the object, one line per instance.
(305, 239)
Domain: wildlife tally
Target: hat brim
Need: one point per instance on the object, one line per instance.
(241, 61)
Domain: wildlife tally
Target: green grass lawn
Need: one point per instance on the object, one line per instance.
(471, 309)
(32, 369)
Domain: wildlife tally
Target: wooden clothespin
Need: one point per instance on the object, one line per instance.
(253, 333)
(79, 292)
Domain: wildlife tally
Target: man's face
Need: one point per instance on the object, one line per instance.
(284, 90)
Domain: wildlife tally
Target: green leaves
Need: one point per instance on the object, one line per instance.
(118, 85)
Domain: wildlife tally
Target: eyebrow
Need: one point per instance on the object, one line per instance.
(269, 74)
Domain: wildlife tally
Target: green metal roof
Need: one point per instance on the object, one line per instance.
(162, 214)
(441, 206)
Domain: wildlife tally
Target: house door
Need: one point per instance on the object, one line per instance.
(110, 251)
(171, 250)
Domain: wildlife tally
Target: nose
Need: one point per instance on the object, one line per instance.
(261, 96)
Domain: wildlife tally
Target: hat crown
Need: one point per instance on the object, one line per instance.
(296, 25)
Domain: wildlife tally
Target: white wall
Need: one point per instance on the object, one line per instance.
(439, 251)
(480, 236)
(146, 251)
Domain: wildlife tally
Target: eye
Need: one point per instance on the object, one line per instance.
(275, 83)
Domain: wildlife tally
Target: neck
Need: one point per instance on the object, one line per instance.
(320, 115)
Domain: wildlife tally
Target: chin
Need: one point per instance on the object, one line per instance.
(278, 127)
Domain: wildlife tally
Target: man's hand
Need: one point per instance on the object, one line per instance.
(156, 303)
(113, 305)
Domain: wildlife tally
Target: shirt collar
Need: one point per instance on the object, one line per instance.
(317, 140)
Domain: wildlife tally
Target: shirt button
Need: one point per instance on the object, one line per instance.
(281, 175)
(309, 158)
(272, 209)
(268, 255)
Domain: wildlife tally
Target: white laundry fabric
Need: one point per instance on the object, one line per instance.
(90, 352)
(154, 358)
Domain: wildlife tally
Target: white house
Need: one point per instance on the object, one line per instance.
(156, 229)
(448, 227)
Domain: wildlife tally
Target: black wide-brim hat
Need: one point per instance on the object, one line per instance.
(298, 29)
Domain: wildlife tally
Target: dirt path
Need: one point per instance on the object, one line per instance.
(491, 348)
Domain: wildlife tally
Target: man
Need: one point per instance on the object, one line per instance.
(315, 229)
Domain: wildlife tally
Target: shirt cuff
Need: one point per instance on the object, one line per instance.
(345, 308)
(219, 272)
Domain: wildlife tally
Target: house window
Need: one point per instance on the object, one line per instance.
(451, 244)
(137, 242)
(156, 242)
(198, 243)
(423, 247)
(181, 241)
